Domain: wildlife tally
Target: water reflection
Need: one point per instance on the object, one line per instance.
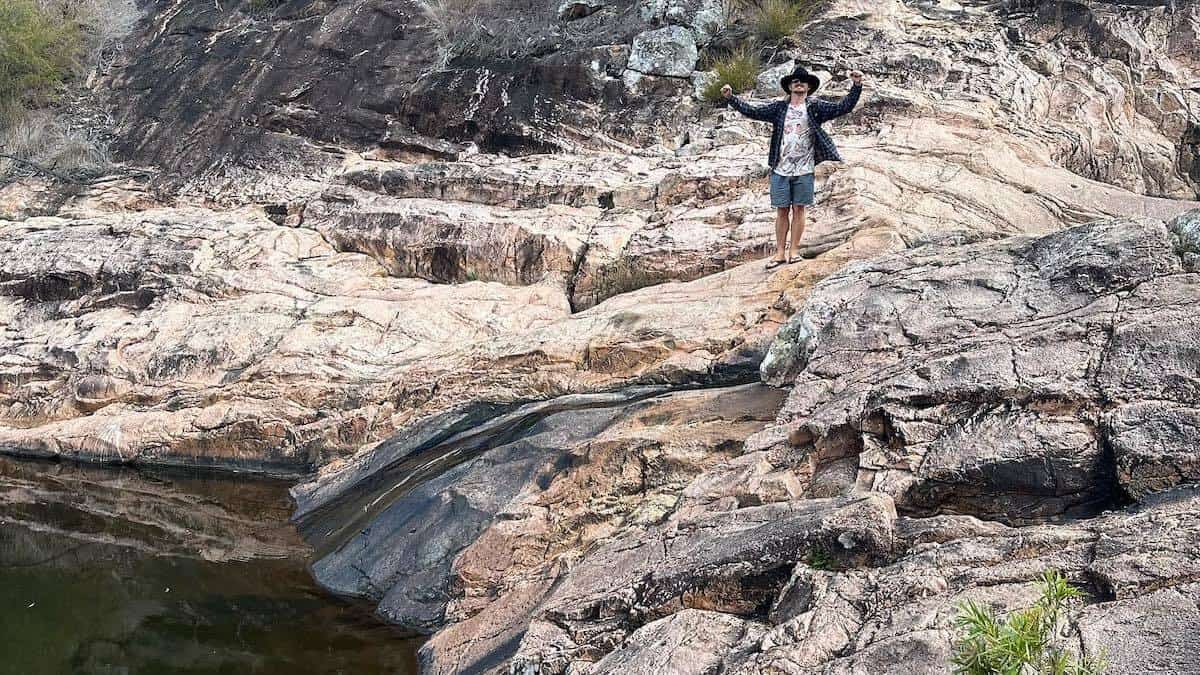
(108, 570)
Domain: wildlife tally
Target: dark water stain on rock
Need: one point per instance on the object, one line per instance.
(389, 528)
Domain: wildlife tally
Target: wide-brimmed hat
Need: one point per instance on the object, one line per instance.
(800, 74)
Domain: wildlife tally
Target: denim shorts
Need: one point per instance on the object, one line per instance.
(789, 190)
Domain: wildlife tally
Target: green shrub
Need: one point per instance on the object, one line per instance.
(775, 20)
(819, 558)
(1022, 642)
(39, 50)
(738, 70)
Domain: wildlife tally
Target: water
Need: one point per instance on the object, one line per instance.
(106, 570)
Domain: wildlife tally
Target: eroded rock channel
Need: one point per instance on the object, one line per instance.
(438, 489)
(961, 417)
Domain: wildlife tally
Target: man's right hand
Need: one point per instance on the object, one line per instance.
(726, 91)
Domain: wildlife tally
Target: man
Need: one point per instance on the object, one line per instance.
(798, 145)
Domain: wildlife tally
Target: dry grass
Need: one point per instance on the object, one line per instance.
(739, 70)
(775, 20)
(455, 25)
(38, 142)
(448, 18)
(512, 29)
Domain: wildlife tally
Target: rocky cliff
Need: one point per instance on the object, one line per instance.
(496, 282)
(961, 418)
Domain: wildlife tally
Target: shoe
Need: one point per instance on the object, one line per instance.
(773, 263)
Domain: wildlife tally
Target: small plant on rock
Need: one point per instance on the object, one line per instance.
(775, 20)
(1021, 643)
(738, 70)
(819, 558)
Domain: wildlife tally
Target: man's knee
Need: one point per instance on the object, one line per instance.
(798, 209)
(783, 211)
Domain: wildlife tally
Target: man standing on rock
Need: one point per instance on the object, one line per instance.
(798, 145)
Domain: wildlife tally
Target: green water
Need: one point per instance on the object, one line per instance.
(117, 571)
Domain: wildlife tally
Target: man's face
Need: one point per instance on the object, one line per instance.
(799, 88)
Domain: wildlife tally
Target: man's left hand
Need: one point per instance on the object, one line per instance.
(857, 76)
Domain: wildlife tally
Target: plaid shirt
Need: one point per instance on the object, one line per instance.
(819, 112)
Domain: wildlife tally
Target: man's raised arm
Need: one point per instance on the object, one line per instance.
(761, 113)
(848, 101)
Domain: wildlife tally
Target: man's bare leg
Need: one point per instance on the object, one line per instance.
(781, 232)
(798, 215)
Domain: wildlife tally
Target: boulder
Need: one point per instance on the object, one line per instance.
(767, 84)
(690, 642)
(669, 51)
(1154, 633)
(983, 373)
(702, 17)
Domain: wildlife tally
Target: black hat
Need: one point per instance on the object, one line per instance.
(800, 74)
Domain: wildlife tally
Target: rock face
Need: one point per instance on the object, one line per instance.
(669, 51)
(570, 10)
(684, 643)
(190, 331)
(961, 419)
(767, 83)
(601, 226)
(360, 74)
(483, 475)
(1011, 381)
(178, 319)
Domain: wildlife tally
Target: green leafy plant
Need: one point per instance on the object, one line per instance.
(819, 558)
(1023, 642)
(739, 70)
(39, 50)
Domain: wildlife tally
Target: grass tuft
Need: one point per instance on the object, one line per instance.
(739, 70)
(775, 20)
(46, 47)
(38, 139)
